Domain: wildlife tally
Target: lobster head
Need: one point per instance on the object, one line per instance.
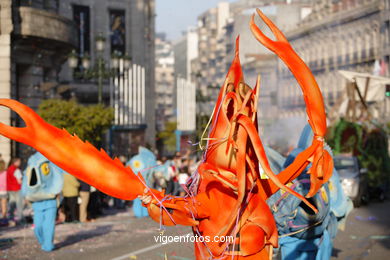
(235, 98)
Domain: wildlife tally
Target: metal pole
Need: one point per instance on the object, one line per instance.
(100, 79)
(111, 91)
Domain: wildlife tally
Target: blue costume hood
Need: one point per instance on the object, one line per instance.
(42, 179)
(144, 162)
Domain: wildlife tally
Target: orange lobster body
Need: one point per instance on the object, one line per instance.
(227, 194)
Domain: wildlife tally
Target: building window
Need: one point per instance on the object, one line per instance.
(49, 5)
(81, 17)
(118, 31)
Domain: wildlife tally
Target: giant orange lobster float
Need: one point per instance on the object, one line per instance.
(226, 196)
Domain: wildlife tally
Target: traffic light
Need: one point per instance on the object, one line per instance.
(387, 90)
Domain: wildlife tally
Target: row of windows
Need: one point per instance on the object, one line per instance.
(331, 84)
(336, 49)
(117, 29)
(49, 5)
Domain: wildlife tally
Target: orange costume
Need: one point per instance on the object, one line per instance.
(227, 194)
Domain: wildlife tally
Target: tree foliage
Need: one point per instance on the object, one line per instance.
(346, 137)
(369, 145)
(168, 136)
(87, 122)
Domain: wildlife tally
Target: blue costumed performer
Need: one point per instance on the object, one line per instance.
(303, 234)
(144, 163)
(42, 182)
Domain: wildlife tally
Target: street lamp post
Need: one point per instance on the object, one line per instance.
(100, 44)
(99, 71)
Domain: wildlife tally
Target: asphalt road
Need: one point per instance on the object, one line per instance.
(367, 234)
(121, 236)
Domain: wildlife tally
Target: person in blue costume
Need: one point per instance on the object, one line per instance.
(42, 182)
(162, 175)
(144, 163)
(303, 234)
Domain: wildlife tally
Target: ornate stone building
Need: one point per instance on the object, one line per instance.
(337, 35)
(34, 42)
(37, 36)
(129, 28)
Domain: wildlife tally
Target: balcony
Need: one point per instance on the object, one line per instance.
(41, 24)
(49, 5)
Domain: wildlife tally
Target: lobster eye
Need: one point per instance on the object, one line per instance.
(45, 169)
(137, 164)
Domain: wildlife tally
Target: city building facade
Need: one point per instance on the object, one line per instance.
(218, 29)
(165, 82)
(185, 52)
(211, 47)
(128, 27)
(256, 59)
(338, 35)
(35, 40)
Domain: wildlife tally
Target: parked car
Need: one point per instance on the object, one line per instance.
(353, 178)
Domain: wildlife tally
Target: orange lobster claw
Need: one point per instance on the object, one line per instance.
(321, 169)
(227, 196)
(74, 156)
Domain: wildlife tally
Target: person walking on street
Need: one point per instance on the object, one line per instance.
(3, 189)
(14, 184)
(42, 182)
(70, 192)
(84, 196)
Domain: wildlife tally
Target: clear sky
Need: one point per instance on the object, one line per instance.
(175, 16)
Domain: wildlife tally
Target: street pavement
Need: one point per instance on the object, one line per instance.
(121, 236)
(367, 233)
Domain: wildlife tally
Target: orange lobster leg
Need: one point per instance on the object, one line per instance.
(74, 156)
(320, 158)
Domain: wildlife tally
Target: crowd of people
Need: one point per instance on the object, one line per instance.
(180, 168)
(78, 201)
(10, 186)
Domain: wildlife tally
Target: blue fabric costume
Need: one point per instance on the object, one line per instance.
(303, 234)
(144, 162)
(42, 181)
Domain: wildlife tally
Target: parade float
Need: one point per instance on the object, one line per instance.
(226, 196)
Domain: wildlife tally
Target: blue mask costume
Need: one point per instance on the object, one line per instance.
(304, 235)
(42, 181)
(144, 163)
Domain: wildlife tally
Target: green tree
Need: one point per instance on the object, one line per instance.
(370, 145)
(168, 136)
(89, 123)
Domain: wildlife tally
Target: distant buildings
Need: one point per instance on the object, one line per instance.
(218, 28)
(337, 35)
(35, 39)
(129, 28)
(255, 58)
(165, 82)
(211, 47)
(37, 36)
(329, 35)
(185, 51)
(208, 68)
